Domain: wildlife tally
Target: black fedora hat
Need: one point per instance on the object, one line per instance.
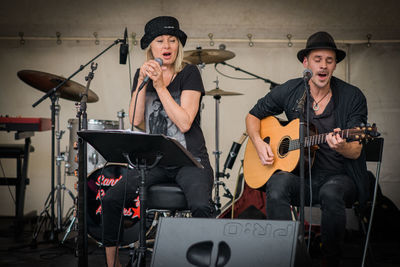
(321, 40)
(160, 26)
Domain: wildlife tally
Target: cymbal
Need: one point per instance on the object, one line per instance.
(220, 92)
(207, 56)
(45, 82)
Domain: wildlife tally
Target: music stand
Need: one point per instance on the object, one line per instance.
(146, 151)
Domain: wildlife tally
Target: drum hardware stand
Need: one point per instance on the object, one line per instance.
(71, 215)
(121, 115)
(49, 203)
(201, 65)
(59, 158)
(217, 153)
(45, 216)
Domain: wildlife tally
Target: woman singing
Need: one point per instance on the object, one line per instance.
(168, 104)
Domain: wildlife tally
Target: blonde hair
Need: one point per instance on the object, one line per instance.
(178, 64)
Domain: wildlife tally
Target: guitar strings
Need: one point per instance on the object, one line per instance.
(311, 140)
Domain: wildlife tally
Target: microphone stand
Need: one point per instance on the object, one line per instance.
(273, 84)
(52, 95)
(302, 128)
(82, 171)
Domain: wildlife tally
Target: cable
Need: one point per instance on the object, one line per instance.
(63, 192)
(122, 215)
(234, 195)
(130, 72)
(8, 185)
(309, 172)
(123, 207)
(134, 111)
(101, 203)
(231, 77)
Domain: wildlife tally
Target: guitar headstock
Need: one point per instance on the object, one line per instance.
(364, 132)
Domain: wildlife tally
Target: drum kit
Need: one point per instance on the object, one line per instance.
(95, 162)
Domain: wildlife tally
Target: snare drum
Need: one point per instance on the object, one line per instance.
(108, 177)
(94, 159)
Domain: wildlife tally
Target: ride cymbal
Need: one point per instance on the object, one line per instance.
(220, 92)
(207, 56)
(45, 81)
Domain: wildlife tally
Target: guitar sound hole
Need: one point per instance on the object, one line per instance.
(284, 147)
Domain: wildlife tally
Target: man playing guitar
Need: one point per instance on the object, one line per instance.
(339, 175)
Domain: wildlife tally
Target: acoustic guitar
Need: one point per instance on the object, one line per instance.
(285, 144)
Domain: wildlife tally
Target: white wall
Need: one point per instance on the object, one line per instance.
(374, 69)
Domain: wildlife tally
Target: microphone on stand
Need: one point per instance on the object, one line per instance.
(230, 160)
(124, 48)
(146, 79)
(307, 74)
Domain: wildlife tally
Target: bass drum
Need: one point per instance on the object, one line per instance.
(109, 176)
(94, 159)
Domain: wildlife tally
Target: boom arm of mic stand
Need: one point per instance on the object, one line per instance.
(273, 84)
(52, 91)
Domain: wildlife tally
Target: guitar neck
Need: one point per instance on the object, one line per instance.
(320, 139)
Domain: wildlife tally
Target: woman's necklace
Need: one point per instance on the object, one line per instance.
(316, 106)
(172, 77)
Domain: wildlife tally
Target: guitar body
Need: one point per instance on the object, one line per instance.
(284, 142)
(273, 132)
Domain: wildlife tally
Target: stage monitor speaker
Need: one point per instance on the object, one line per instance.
(226, 242)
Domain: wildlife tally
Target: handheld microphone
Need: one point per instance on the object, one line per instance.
(146, 79)
(124, 48)
(307, 74)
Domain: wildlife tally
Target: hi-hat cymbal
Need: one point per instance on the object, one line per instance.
(220, 92)
(207, 56)
(45, 82)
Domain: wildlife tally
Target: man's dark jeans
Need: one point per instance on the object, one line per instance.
(334, 192)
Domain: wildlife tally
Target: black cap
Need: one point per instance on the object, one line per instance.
(160, 26)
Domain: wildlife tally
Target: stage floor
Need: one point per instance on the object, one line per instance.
(20, 253)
